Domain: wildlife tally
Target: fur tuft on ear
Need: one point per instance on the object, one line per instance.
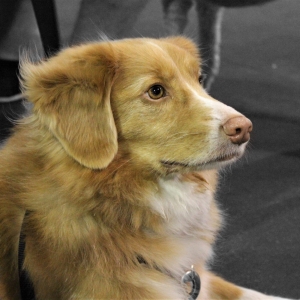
(71, 96)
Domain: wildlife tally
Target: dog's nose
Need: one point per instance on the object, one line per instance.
(238, 129)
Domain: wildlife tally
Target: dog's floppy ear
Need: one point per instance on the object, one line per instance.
(71, 96)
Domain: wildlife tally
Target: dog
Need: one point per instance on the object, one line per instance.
(112, 177)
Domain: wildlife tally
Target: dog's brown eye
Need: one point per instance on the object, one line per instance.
(156, 92)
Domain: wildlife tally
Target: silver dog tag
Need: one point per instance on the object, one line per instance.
(193, 278)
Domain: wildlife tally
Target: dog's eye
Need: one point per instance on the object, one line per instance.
(201, 78)
(156, 92)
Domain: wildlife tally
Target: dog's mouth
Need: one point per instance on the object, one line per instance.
(219, 159)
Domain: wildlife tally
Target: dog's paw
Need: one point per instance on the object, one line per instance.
(248, 294)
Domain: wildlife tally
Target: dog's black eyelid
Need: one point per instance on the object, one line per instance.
(201, 78)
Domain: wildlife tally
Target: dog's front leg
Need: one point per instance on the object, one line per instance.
(214, 287)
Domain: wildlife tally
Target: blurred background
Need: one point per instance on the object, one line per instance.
(251, 54)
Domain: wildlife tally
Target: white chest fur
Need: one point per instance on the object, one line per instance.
(185, 209)
(187, 216)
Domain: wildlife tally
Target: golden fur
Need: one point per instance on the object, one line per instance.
(111, 175)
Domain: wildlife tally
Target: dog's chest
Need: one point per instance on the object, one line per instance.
(186, 212)
(184, 207)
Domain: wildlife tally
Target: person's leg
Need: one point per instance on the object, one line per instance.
(114, 18)
(18, 30)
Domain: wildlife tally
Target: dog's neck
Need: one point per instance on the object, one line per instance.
(190, 216)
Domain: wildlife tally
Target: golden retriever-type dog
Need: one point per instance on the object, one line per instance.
(116, 166)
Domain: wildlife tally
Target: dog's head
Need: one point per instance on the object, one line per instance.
(139, 96)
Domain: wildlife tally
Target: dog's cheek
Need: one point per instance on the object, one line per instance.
(171, 130)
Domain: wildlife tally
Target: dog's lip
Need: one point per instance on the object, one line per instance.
(221, 158)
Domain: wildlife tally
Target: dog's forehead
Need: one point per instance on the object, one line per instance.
(157, 56)
(180, 56)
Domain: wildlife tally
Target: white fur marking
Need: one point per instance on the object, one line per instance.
(221, 111)
(187, 221)
(250, 295)
(182, 206)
